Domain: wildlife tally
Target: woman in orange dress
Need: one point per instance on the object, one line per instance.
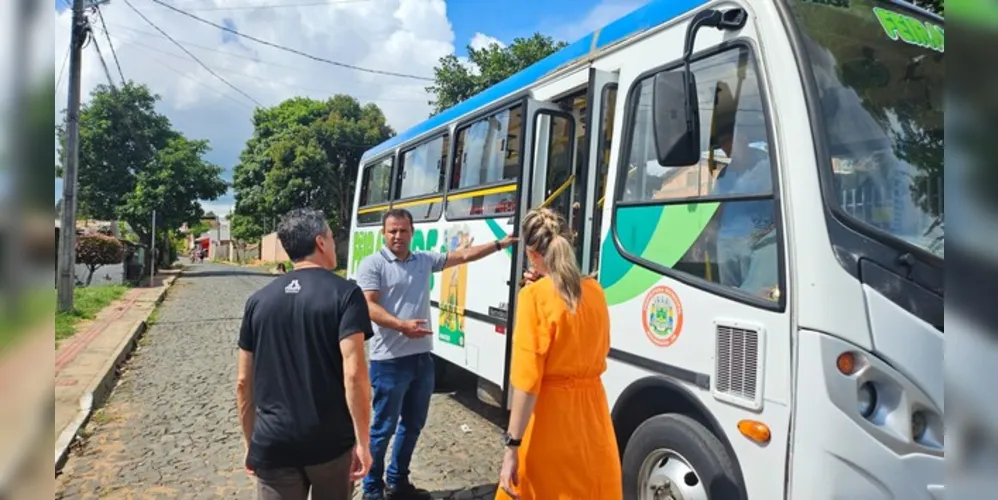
(560, 443)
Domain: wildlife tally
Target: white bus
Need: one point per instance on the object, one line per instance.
(758, 187)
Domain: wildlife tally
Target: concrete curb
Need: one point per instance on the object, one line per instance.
(99, 389)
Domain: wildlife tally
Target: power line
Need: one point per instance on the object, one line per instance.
(108, 35)
(199, 82)
(276, 6)
(203, 65)
(420, 98)
(58, 83)
(286, 49)
(103, 63)
(185, 74)
(268, 80)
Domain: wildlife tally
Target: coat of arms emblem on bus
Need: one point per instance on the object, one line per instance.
(453, 289)
(662, 316)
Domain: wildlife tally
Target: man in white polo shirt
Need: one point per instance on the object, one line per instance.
(396, 283)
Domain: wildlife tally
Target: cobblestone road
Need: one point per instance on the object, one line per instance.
(170, 430)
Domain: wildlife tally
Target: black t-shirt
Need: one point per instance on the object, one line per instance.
(294, 326)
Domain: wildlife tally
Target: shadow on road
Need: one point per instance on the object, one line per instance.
(478, 492)
(462, 387)
(197, 273)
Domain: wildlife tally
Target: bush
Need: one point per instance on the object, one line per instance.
(98, 250)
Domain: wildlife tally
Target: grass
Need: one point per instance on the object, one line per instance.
(35, 308)
(87, 302)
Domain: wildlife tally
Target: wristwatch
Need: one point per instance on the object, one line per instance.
(508, 441)
(498, 246)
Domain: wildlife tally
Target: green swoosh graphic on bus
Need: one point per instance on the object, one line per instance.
(663, 242)
(499, 233)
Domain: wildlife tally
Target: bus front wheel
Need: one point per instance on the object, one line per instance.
(672, 456)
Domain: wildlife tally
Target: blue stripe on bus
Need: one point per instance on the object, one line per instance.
(654, 13)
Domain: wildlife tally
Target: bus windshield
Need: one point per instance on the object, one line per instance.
(878, 66)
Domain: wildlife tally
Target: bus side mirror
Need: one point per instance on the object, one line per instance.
(676, 119)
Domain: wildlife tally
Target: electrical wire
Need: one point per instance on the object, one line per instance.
(286, 49)
(275, 6)
(203, 65)
(199, 82)
(270, 81)
(107, 34)
(418, 96)
(58, 83)
(107, 72)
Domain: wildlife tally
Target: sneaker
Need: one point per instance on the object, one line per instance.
(406, 491)
(373, 496)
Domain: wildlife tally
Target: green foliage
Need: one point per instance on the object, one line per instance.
(132, 162)
(126, 232)
(455, 82)
(303, 153)
(936, 6)
(95, 251)
(87, 302)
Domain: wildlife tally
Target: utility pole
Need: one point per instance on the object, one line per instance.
(152, 252)
(67, 236)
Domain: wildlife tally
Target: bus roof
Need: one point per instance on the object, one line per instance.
(650, 15)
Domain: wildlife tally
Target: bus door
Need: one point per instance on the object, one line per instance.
(547, 132)
(599, 136)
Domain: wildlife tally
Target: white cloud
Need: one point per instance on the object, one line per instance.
(481, 41)
(402, 36)
(602, 14)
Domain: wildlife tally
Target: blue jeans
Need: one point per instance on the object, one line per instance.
(401, 395)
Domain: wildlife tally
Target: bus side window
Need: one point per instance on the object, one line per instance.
(730, 237)
(375, 191)
(487, 153)
(420, 176)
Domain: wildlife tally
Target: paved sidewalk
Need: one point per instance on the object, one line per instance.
(86, 364)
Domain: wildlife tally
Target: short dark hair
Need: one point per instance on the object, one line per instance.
(397, 213)
(298, 230)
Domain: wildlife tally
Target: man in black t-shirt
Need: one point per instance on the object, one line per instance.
(303, 392)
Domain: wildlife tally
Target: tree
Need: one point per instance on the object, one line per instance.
(304, 153)
(98, 250)
(455, 81)
(936, 6)
(132, 162)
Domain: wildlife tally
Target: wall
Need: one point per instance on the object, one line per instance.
(271, 249)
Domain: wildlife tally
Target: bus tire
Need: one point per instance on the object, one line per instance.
(675, 451)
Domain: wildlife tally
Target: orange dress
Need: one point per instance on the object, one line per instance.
(569, 449)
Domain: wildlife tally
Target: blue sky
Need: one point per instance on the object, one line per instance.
(404, 35)
(493, 17)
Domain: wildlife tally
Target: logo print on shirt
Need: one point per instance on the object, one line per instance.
(294, 287)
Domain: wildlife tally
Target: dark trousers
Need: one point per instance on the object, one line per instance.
(401, 395)
(328, 481)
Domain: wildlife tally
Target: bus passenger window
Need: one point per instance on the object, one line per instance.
(487, 153)
(421, 169)
(730, 237)
(421, 175)
(375, 191)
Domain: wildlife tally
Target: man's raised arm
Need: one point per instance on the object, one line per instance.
(473, 253)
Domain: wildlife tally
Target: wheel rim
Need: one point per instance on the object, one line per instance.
(667, 475)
